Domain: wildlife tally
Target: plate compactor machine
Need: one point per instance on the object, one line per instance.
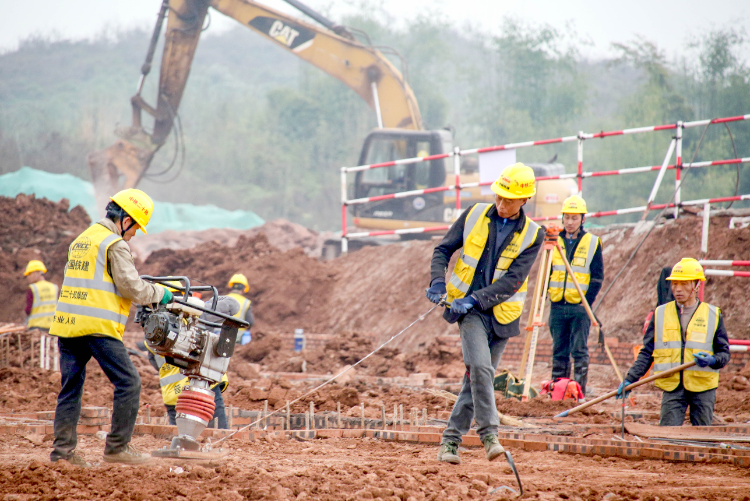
(199, 341)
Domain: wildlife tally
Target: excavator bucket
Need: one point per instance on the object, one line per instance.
(115, 168)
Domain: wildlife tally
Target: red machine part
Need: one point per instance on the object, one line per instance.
(196, 404)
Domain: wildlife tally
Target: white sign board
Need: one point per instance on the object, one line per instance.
(491, 165)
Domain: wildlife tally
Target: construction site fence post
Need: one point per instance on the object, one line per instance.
(678, 170)
(704, 232)
(457, 172)
(344, 246)
(580, 163)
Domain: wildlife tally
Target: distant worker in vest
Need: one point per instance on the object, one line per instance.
(239, 286)
(485, 295)
(41, 298)
(99, 285)
(568, 321)
(681, 331)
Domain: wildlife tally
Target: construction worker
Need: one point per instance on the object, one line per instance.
(238, 285)
(681, 331)
(568, 321)
(485, 296)
(99, 285)
(41, 298)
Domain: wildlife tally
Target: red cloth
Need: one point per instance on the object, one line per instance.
(29, 301)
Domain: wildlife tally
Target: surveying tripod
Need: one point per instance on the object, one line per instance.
(536, 314)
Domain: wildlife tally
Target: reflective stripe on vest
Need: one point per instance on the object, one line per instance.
(89, 301)
(244, 304)
(669, 353)
(560, 283)
(43, 306)
(476, 234)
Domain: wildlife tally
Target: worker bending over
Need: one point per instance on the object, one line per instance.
(238, 285)
(568, 321)
(485, 295)
(41, 297)
(681, 331)
(99, 284)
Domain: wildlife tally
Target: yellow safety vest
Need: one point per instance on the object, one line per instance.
(173, 382)
(476, 233)
(560, 283)
(89, 301)
(43, 307)
(668, 351)
(244, 304)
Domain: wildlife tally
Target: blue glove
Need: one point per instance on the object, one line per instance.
(436, 292)
(167, 297)
(703, 359)
(621, 387)
(463, 305)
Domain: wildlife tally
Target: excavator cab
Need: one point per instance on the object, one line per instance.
(385, 145)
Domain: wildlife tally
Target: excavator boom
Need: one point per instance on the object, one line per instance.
(332, 49)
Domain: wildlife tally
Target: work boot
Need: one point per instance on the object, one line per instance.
(581, 376)
(129, 455)
(76, 460)
(492, 446)
(448, 453)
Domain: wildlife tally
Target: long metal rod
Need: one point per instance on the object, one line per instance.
(587, 307)
(627, 388)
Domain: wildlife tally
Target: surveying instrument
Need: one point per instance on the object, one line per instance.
(536, 314)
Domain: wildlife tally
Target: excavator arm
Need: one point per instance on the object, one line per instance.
(333, 49)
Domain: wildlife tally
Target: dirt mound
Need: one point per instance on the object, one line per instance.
(281, 233)
(286, 287)
(33, 228)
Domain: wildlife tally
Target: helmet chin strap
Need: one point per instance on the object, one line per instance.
(124, 230)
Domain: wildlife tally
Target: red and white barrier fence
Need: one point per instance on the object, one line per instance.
(643, 208)
(708, 262)
(675, 146)
(726, 273)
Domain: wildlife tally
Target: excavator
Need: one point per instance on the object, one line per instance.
(338, 51)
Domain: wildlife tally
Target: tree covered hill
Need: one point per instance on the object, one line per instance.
(266, 132)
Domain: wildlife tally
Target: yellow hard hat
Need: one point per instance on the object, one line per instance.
(239, 278)
(574, 205)
(136, 204)
(34, 265)
(516, 181)
(687, 269)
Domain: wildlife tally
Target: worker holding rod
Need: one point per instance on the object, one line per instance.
(680, 332)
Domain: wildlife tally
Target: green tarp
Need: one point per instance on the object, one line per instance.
(167, 216)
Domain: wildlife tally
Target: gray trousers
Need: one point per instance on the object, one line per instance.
(674, 404)
(482, 351)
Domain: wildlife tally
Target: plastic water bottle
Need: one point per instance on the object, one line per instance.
(299, 340)
(246, 337)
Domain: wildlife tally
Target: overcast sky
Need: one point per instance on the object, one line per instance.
(601, 22)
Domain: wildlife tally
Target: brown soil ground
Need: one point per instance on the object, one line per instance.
(378, 290)
(342, 469)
